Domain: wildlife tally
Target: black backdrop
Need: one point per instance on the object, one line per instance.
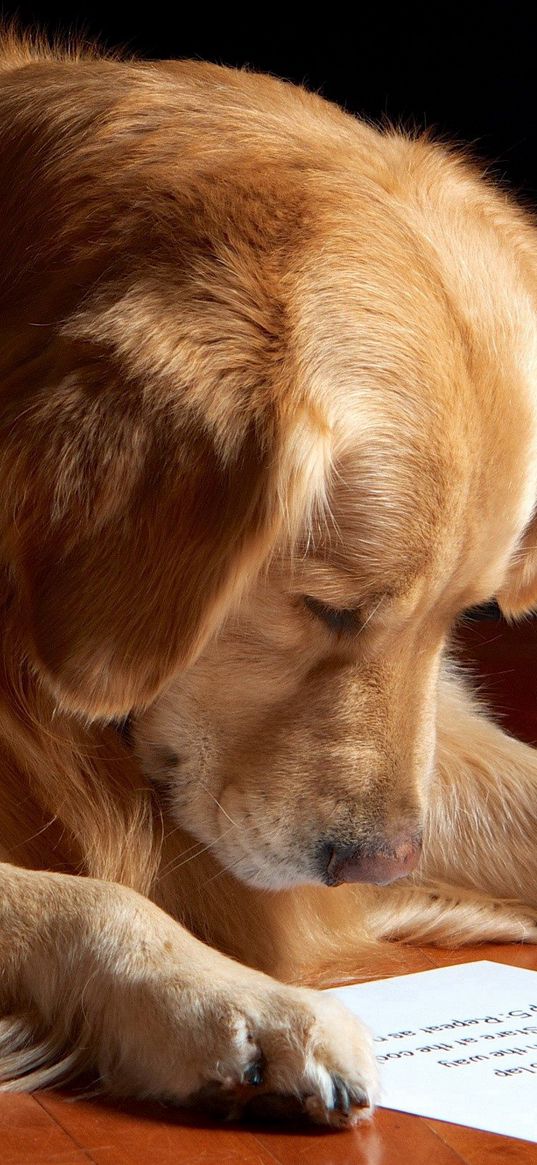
(470, 70)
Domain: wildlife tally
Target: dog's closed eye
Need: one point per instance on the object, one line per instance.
(340, 620)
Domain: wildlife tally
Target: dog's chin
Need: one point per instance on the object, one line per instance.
(262, 875)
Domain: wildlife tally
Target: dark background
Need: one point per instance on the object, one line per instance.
(469, 70)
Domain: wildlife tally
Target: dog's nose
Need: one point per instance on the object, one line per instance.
(377, 864)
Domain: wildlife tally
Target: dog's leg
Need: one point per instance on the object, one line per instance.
(100, 970)
(448, 915)
(481, 828)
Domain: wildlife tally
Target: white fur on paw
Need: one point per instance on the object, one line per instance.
(305, 1056)
(242, 1055)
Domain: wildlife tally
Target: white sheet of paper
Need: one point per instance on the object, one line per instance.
(457, 1044)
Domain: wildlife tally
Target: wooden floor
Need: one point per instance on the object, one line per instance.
(57, 1129)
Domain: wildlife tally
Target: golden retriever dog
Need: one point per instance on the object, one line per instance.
(268, 427)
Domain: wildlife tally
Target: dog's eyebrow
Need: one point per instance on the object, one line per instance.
(328, 573)
(319, 561)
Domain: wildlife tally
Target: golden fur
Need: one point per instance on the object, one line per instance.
(252, 350)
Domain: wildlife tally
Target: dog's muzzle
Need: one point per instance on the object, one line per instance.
(378, 865)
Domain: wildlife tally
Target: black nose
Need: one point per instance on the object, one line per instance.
(378, 863)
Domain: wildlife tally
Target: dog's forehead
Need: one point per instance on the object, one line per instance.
(391, 512)
(435, 467)
(435, 489)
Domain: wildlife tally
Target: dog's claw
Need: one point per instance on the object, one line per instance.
(342, 1097)
(254, 1074)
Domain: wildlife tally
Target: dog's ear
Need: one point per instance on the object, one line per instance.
(518, 593)
(149, 480)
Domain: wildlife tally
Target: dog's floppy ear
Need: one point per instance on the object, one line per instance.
(518, 593)
(148, 483)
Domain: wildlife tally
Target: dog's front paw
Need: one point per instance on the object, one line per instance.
(294, 1054)
(174, 1020)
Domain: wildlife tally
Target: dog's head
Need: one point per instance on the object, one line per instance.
(276, 455)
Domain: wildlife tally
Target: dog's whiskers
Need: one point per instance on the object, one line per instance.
(218, 803)
(225, 869)
(370, 616)
(171, 867)
(175, 864)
